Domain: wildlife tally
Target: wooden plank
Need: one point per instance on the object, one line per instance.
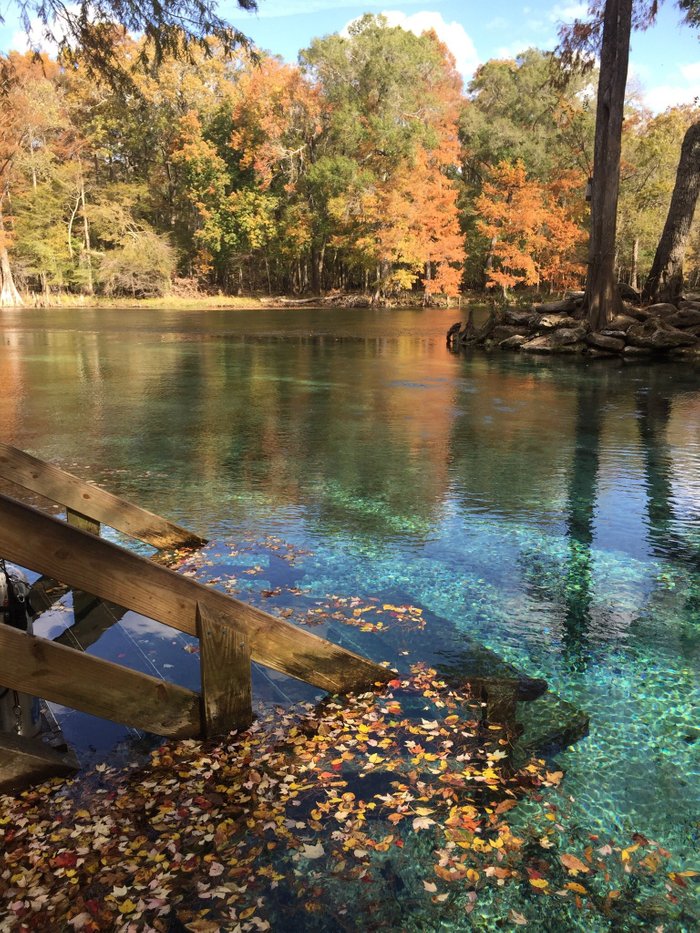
(78, 520)
(64, 675)
(25, 761)
(91, 616)
(225, 666)
(52, 547)
(49, 481)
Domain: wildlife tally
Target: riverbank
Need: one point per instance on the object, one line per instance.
(560, 327)
(205, 302)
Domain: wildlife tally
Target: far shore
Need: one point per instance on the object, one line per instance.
(239, 302)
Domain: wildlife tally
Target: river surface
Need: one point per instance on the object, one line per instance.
(549, 509)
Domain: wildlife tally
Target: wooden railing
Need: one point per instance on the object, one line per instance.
(231, 632)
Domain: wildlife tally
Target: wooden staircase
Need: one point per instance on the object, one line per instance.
(108, 580)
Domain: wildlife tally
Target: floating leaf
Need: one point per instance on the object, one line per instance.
(313, 851)
(573, 864)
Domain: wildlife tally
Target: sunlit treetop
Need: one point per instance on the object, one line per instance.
(87, 29)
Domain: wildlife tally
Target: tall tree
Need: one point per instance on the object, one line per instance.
(527, 109)
(28, 113)
(391, 108)
(614, 19)
(602, 294)
(665, 280)
(534, 228)
(650, 147)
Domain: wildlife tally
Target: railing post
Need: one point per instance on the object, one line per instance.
(225, 670)
(84, 522)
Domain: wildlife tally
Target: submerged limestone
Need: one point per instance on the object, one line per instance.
(659, 330)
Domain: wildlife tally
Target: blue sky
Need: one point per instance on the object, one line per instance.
(665, 61)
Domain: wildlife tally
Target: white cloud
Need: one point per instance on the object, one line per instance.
(37, 39)
(682, 87)
(691, 73)
(21, 42)
(567, 12)
(663, 96)
(453, 34)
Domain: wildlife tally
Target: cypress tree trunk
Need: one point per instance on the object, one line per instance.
(602, 296)
(9, 296)
(665, 280)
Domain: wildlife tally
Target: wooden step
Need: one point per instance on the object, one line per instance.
(25, 761)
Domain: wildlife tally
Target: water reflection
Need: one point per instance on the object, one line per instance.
(580, 514)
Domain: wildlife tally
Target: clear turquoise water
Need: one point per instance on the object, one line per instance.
(548, 509)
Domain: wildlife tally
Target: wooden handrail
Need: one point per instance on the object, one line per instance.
(92, 502)
(40, 667)
(50, 546)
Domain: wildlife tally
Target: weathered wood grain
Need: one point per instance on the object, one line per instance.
(25, 761)
(87, 500)
(225, 669)
(50, 546)
(64, 675)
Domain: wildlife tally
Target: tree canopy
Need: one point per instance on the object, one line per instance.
(366, 166)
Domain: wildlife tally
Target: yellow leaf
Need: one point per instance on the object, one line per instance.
(540, 883)
(573, 886)
(127, 907)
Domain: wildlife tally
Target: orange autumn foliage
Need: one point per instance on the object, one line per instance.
(533, 227)
(277, 112)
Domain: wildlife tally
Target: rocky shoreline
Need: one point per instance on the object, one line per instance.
(660, 330)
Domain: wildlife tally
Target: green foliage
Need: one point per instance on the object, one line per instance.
(650, 152)
(141, 267)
